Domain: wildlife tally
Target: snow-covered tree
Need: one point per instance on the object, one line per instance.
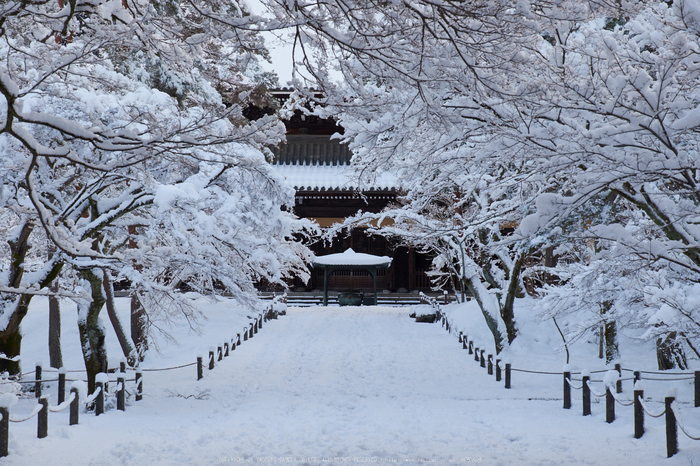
(577, 101)
(124, 121)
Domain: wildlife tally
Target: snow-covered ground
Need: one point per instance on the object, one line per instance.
(341, 386)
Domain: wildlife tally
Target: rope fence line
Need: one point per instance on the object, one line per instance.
(103, 384)
(679, 421)
(646, 410)
(613, 387)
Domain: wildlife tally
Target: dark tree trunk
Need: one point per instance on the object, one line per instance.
(612, 352)
(669, 353)
(92, 335)
(55, 354)
(15, 306)
(514, 290)
(127, 347)
(139, 327)
(609, 333)
(139, 319)
(11, 344)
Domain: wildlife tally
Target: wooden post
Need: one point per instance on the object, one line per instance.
(464, 343)
(260, 320)
(200, 367)
(618, 385)
(122, 366)
(238, 339)
(139, 386)
(586, 394)
(567, 390)
(4, 431)
(697, 389)
(471, 346)
(245, 334)
(220, 353)
(225, 349)
(100, 400)
(74, 407)
(255, 326)
(671, 429)
(490, 364)
(637, 376)
(460, 337)
(42, 423)
(476, 353)
(482, 361)
(61, 385)
(609, 406)
(37, 378)
(211, 358)
(250, 332)
(507, 375)
(444, 294)
(498, 370)
(121, 398)
(638, 410)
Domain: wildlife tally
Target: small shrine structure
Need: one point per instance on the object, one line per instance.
(350, 260)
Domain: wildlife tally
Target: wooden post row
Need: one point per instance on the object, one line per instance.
(121, 393)
(585, 377)
(37, 378)
(61, 385)
(139, 386)
(638, 410)
(4, 431)
(671, 429)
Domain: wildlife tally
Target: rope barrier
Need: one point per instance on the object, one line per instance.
(659, 372)
(169, 368)
(588, 384)
(614, 395)
(34, 412)
(679, 421)
(650, 413)
(534, 372)
(92, 397)
(62, 406)
(572, 385)
(669, 380)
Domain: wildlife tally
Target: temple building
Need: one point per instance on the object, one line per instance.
(318, 167)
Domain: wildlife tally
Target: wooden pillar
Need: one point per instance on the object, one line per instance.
(411, 269)
(374, 280)
(326, 273)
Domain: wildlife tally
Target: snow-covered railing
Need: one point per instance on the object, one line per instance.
(102, 383)
(612, 384)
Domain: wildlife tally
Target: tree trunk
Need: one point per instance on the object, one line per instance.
(609, 333)
(11, 344)
(514, 290)
(612, 351)
(92, 334)
(55, 354)
(127, 346)
(669, 353)
(490, 309)
(139, 327)
(139, 319)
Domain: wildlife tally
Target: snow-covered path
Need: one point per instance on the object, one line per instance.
(340, 385)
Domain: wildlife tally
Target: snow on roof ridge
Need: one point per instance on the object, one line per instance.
(330, 177)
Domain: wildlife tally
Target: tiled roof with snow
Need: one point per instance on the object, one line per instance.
(332, 178)
(350, 257)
